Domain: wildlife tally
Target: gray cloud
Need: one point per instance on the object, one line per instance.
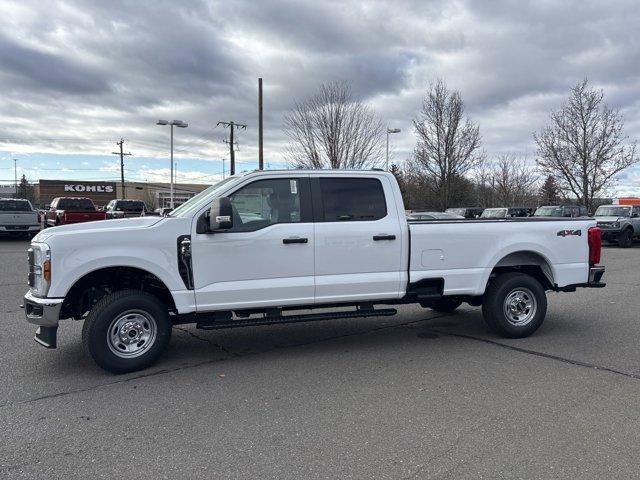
(88, 72)
(24, 67)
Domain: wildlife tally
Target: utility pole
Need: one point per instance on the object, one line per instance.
(122, 155)
(260, 154)
(232, 125)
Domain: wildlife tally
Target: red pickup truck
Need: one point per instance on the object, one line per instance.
(65, 210)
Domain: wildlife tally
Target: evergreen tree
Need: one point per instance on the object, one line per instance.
(549, 193)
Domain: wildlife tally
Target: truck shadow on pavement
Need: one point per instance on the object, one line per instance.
(190, 347)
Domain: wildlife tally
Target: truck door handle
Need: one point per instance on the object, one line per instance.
(384, 237)
(289, 240)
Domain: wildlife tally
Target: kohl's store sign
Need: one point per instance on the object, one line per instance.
(81, 188)
(100, 192)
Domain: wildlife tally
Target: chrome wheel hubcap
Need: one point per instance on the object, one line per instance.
(131, 334)
(520, 306)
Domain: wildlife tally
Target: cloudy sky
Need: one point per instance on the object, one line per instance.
(77, 76)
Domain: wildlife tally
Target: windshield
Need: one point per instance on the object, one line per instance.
(494, 213)
(75, 204)
(613, 211)
(15, 206)
(548, 212)
(203, 197)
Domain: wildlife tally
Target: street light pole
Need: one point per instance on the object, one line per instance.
(171, 180)
(390, 130)
(172, 123)
(15, 174)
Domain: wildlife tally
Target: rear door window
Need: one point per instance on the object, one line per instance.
(352, 199)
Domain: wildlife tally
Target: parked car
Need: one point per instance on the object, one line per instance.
(324, 237)
(619, 223)
(474, 212)
(66, 210)
(572, 211)
(504, 212)
(18, 217)
(433, 216)
(125, 208)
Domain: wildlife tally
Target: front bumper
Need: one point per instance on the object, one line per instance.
(42, 311)
(609, 233)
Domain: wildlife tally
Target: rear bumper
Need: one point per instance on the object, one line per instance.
(19, 228)
(595, 277)
(42, 311)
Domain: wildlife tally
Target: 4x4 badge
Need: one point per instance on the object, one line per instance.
(564, 233)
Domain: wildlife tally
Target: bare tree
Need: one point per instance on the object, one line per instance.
(448, 143)
(513, 182)
(333, 130)
(583, 147)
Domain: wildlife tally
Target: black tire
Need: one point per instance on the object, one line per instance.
(502, 291)
(625, 239)
(445, 305)
(134, 308)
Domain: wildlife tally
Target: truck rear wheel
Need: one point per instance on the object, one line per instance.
(625, 239)
(126, 331)
(515, 305)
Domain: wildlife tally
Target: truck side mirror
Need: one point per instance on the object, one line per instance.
(220, 214)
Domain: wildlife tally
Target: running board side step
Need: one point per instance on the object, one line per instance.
(311, 317)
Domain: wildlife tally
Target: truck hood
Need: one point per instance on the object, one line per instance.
(99, 225)
(609, 219)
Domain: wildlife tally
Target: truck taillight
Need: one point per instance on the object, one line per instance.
(595, 245)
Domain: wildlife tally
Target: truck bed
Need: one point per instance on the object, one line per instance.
(464, 252)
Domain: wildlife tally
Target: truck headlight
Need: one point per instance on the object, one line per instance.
(39, 269)
(615, 225)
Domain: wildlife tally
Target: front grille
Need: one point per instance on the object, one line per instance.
(31, 257)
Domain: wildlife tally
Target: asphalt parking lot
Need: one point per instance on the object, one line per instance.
(419, 395)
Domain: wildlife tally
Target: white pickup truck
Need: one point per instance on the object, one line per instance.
(255, 248)
(17, 217)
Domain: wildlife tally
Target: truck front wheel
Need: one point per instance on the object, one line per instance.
(514, 305)
(126, 331)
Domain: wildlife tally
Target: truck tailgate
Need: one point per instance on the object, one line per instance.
(18, 218)
(82, 216)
